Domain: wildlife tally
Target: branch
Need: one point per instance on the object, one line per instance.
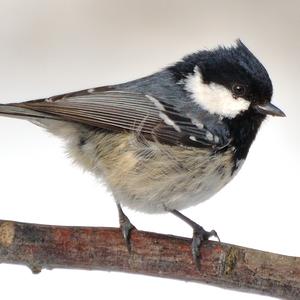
(223, 265)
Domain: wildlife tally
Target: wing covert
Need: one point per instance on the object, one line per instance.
(117, 110)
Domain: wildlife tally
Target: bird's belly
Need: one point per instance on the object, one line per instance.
(152, 177)
(175, 189)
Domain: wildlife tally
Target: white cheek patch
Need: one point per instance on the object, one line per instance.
(213, 97)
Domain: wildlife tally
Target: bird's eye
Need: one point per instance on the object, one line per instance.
(238, 90)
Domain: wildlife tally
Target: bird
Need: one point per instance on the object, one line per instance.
(167, 141)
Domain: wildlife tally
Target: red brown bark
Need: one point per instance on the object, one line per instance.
(223, 265)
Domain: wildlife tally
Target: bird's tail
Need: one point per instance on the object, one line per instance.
(15, 111)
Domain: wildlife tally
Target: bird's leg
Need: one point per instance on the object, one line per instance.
(125, 226)
(199, 235)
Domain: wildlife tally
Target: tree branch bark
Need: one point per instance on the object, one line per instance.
(223, 265)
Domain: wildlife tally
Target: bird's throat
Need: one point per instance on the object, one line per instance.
(243, 130)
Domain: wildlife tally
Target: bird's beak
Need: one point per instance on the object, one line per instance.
(269, 109)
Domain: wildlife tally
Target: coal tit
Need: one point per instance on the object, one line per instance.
(167, 141)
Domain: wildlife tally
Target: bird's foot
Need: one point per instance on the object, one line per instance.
(200, 235)
(126, 227)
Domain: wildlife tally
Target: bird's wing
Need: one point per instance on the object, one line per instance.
(118, 110)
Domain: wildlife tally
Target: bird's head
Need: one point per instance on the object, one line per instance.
(227, 81)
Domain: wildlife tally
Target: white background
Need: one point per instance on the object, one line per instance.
(49, 47)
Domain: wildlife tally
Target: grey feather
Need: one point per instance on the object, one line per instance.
(153, 106)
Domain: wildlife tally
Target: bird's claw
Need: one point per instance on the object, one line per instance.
(125, 227)
(200, 235)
